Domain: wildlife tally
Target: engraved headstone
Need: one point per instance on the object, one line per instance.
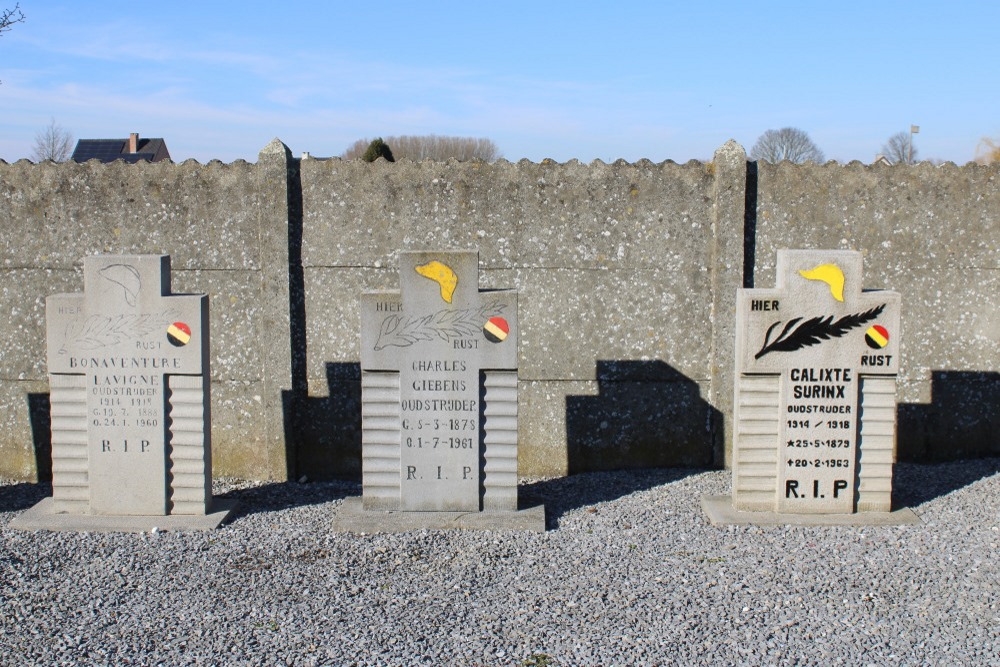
(129, 378)
(439, 391)
(815, 403)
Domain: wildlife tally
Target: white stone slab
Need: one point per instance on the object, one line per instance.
(45, 516)
(814, 411)
(352, 517)
(439, 389)
(130, 392)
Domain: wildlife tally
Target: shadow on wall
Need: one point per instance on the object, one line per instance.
(646, 415)
(327, 430)
(40, 416)
(322, 435)
(750, 226)
(962, 420)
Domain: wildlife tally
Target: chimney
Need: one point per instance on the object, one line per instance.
(133, 142)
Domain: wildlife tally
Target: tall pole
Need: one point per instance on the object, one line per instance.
(914, 129)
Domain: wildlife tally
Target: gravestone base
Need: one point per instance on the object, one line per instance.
(352, 517)
(43, 516)
(720, 512)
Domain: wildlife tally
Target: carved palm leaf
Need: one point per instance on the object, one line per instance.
(797, 334)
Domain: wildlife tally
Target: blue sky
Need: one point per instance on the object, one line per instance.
(561, 80)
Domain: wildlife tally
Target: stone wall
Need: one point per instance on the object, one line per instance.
(932, 234)
(209, 219)
(627, 275)
(613, 264)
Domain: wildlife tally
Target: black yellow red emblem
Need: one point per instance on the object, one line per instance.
(496, 329)
(178, 334)
(877, 336)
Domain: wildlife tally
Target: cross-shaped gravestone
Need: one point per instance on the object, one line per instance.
(128, 368)
(816, 362)
(439, 389)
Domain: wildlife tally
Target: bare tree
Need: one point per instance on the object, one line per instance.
(432, 147)
(788, 143)
(356, 150)
(988, 151)
(899, 149)
(53, 143)
(9, 17)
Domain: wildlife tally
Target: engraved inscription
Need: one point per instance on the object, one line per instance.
(126, 337)
(818, 335)
(440, 334)
(822, 444)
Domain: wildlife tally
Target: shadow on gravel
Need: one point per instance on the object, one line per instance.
(287, 495)
(917, 483)
(569, 493)
(19, 497)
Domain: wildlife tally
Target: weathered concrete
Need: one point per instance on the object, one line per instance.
(626, 272)
(212, 219)
(931, 234)
(613, 262)
(727, 260)
(279, 247)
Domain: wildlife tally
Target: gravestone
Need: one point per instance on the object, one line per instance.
(439, 401)
(815, 399)
(130, 401)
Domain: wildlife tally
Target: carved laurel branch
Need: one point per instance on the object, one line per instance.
(98, 331)
(445, 324)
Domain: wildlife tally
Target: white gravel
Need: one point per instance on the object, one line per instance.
(630, 572)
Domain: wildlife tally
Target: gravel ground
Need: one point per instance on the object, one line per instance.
(629, 573)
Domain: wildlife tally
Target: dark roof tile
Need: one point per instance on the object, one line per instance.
(109, 150)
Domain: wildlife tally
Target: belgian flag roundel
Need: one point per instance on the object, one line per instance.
(178, 334)
(496, 329)
(877, 337)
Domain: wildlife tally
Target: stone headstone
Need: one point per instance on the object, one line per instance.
(815, 403)
(439, 390)
(130, 394)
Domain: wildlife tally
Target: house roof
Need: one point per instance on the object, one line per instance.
(109, 150)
